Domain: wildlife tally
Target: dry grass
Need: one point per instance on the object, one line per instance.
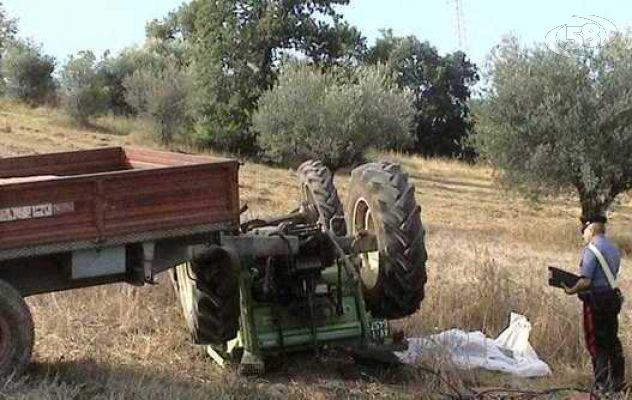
(123, 126)
(489, 252)
(488, 256)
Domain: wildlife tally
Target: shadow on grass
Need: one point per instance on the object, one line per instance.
(328, 374)
(87, 379)
(453, 182)
(336, 365)
(97, 379)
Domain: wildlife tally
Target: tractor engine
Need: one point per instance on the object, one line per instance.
(296, 281)
(303, 296)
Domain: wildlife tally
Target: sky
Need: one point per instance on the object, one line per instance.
(64, 27)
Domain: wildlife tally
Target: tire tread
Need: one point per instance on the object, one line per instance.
(403, 254)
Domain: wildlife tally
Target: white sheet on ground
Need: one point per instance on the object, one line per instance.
(510, 352)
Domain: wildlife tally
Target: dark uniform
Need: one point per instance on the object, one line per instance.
(602, 305)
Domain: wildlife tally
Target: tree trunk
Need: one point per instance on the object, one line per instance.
(596, 203)
(266, 68)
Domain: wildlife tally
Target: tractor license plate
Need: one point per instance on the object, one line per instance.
(379, 330)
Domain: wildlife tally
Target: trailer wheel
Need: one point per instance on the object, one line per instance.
(382, 202)
(17, 332)
(316, 184)
(209, 292)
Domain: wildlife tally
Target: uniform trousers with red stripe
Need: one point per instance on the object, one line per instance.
(601, 328)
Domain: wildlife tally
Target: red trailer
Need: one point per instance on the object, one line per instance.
(84, 218)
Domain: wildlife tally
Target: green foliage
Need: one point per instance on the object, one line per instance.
(161, 96)
(93, 87)
(551, 123)
(441, 85)
(332, 116)
(8, 28)
(177, 25)
(113, 70)
(236, 45)
(28, 73)
(84, 93)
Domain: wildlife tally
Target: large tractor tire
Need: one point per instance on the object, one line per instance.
(17, 332)
(208, 289)
(316, 184)
(382, 202)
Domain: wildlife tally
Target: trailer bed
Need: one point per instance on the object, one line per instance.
(98, 198)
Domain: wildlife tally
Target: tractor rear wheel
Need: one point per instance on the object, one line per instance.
(208, 289)
(17, 332)
(316, 184)
(382, 202)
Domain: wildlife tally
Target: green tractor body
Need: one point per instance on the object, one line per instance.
(326, 308)
(302, 281)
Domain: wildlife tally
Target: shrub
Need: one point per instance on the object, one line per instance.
(161, 96)
(113, 70)
(222, 132)
(332, 117)
(28, 73)
(84, 93)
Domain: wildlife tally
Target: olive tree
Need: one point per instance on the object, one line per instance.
(28, 73)
(332, 116)
(114, 69)
(552, 124)
(83, 93)
(162, 97)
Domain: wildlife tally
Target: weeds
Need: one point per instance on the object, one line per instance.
(120, 126)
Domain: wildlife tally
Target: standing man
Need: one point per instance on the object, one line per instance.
(598, 289)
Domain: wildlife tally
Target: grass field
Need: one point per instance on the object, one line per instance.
(488, 256)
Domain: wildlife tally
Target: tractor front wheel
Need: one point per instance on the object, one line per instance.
(316, 184)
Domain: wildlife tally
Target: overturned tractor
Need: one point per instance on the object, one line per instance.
(317, 276)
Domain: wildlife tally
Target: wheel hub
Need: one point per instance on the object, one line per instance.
(363, 221)
(186, 291)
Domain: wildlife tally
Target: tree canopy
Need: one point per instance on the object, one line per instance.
(237, 45)
(441, 87)
(332, 116)
(8, 28)
(226, 54)
(551, 123)
(84, 94)
(28, 73)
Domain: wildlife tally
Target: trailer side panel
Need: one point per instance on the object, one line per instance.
(99, 207)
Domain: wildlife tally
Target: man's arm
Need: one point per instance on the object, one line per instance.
(582, 285)
(588, 268)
